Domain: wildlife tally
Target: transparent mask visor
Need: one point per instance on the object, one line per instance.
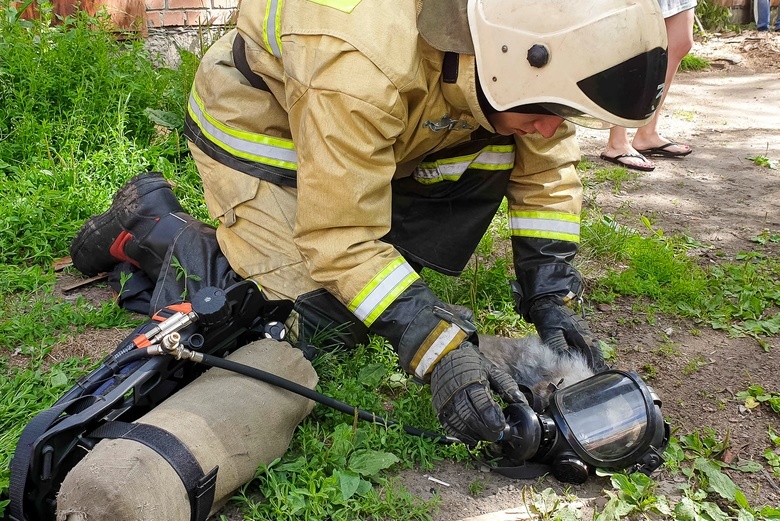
(608, 428)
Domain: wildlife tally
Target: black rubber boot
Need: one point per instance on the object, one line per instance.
(117, 234)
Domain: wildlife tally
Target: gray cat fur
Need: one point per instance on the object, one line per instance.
(533, 364)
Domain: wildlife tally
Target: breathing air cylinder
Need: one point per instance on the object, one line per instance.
(224, 419)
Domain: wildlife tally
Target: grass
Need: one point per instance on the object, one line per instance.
(73, 129)
(616, 175)
(333, 468)
(691, 63)
(741, 296)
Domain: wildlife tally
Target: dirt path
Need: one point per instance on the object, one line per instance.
(720, 198)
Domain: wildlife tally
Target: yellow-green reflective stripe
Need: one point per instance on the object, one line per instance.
(546, 235)
(545, 225)
(247, 145)
(383, 289)
(273, 24)
(342, 5)
(494, 157)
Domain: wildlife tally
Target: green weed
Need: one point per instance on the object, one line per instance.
(756, 395)
(693, 63)
(181, 273)
(705, 494)
(549, 506)
(764, 161)
(584, 165)
(609, 350)
(743, 296)
(73, 129)
(31, 324)
(694, 365)
(766, 237)
(773, 460)
(476, 487)
(704, 443)
(668, 348)
(772, 456)
(635, 495)
(604, 239)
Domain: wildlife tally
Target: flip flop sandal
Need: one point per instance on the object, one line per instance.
(626, 164)
(663, 151)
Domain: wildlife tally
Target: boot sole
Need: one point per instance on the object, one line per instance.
(96, 229)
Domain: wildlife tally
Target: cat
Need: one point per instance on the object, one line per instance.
(532, 363)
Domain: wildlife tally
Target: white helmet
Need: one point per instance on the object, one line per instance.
(596, 63)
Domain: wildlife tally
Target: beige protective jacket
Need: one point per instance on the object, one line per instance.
(355, 97)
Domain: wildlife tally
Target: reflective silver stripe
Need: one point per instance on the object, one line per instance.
(382, 291)
(436, 349)
(272, 25)
(546, 225)
(501, 157)
(488, 159)
(259, 148)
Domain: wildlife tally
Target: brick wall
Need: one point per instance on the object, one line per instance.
(134, 15)
(171, 13)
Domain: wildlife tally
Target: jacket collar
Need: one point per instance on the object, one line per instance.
(444, 25)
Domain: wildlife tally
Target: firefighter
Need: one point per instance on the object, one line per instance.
(344, 145)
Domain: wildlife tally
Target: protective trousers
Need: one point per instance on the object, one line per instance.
(256, 235)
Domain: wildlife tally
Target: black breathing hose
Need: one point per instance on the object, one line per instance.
(259, 374)
(278, 381)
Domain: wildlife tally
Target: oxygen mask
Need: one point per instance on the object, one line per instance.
(611, 420)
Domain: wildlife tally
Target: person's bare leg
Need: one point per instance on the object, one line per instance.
(618, 144)
(679, 31)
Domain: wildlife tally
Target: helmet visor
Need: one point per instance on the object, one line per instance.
(605, 418)
(632, 89)
(629, 90)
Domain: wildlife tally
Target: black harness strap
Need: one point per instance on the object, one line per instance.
(450, 67)
(20, 464)
(239, 60)
(200, 488)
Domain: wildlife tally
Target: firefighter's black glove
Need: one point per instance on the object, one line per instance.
(461, 385)
(565, 330)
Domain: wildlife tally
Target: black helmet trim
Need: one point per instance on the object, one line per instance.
(626, 89)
